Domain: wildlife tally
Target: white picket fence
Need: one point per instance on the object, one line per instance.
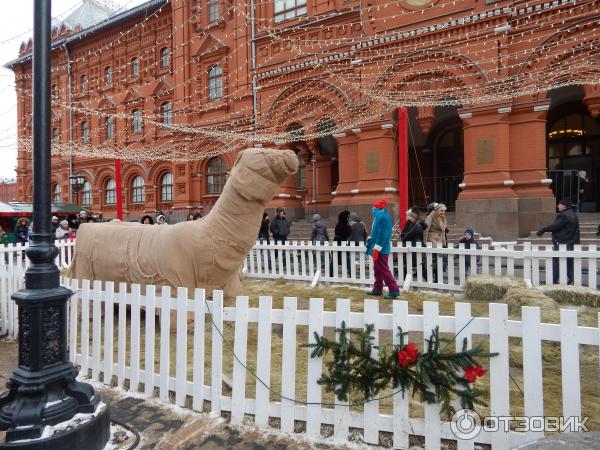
(419, 266)
(187, 364)
(425, 267)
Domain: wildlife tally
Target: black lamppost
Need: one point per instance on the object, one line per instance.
(43, 390)
(76, 182)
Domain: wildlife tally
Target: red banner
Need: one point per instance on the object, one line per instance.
(403, 162)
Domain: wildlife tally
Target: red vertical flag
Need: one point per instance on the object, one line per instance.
(119, 189)
(403, 162)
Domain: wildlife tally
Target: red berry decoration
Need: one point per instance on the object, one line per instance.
(474, 372)
(408, 355)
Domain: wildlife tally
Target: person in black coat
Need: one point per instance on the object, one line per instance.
(468, 240)
(565, 230)
(411, 234)
(263, 232)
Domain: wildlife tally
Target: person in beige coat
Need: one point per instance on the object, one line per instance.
(437, 228)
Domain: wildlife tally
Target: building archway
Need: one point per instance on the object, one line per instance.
(436, 159)
(573, 147)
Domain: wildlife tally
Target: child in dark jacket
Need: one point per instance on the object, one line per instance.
(469, 241)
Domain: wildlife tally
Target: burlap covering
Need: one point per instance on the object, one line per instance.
(206, 253)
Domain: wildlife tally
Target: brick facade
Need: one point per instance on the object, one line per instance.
(496, 151)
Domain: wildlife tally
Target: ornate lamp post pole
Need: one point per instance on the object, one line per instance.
(43, 390)
(76, 182)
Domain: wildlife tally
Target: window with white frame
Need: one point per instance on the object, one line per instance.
(135, 67)
(85, 132)
(57, 194)
(166, 112)
(110, 193)
(288, 9)
(110, 127)
(86, 194)
(137, 121)
(215, 82)
(108, 76)
(213, 10)
(84, 84)
(165, 58)
(166, 187)
(55, 135)
(137, 190)
(217, 175)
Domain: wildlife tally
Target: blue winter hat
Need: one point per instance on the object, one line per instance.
(470, 232)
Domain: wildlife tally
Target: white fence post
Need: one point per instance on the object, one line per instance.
(533, 380)
(569, 357)
(149, 341)
(198, 371)
(432, 410)
(181, 346)
(240, 344)
(263, 361)
(315, 369)
(371, 409)
(288, 364)
(400, 399)
(499, 370)
(216, 376)
(341, 412)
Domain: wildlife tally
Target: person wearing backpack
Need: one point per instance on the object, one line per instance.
(565, 231)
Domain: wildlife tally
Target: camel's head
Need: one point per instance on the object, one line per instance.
(258, 172)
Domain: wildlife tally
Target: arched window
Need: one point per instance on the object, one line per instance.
(217, 175)
(137, 121)
(137, 190)
(55, 135)
(108, 76)
(166, 187)
(213, 10)
(165, 58)
(135, 67)
(57, 194)
(85, 132)
(110, 196)
(86, 194)
(84, 84)
(110, 128)
(215, 82)
(166, 112)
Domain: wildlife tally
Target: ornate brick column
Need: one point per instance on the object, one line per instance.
(504, 194)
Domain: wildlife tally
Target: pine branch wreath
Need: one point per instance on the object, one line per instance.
(435, 375)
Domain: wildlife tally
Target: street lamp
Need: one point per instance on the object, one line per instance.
(76, 182)
(43, 390)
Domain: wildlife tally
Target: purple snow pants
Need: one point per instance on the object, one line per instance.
(383, 275)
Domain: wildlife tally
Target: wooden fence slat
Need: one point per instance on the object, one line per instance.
(96, 326)
(181, 346)
(315, 369)
(121, 335)
(400, 400)
(342, 413)
(577, 267)
(73, 319)
(569, 357)
(263, 361)
(165, 351)
(461, 265)
(109, 320)
(432, 411)
(533, 381)
(499, 370)
(451, 279)
(149, 336)
(462, 331)
(288, 364)
(198, 371)
(134, 354)
(592, 268)
(216, 377)
(371, 409)
(240, 343)
(85, 327)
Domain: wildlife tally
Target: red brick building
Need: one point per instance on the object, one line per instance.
(8, 191)
(324, 78)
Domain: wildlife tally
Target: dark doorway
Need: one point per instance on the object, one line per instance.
(573, 147)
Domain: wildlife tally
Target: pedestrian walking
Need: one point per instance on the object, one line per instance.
(22, 231)
(411, 235)
(378, 246)
(468, 240)
(565, 230)
(436, 232)
(280, 229)
(319, 230)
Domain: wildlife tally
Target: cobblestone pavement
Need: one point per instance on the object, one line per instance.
(164, 427)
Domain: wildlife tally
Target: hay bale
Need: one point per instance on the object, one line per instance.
(518, 296)
(572, 295)
(489, 288)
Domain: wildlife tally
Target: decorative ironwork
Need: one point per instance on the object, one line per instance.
(24, 337)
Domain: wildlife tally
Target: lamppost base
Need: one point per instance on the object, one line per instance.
(92, 434)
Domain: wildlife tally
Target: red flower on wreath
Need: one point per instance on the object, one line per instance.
(474, 372)
(408, 355)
